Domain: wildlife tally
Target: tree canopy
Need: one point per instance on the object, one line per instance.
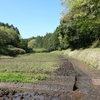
(10, 40)
(83, 20)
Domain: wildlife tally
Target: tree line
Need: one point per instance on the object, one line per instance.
(11, 42)
(79, 27)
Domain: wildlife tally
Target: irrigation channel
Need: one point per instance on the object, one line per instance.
(68, 82)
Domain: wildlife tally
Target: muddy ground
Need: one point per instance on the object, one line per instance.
(66, 83)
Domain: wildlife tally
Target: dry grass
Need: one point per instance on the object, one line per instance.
(90, 56)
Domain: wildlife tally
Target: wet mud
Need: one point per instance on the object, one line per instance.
(6, 94)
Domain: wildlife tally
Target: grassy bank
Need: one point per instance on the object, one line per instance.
(90, 56)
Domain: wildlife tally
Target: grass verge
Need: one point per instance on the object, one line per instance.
(90, 56)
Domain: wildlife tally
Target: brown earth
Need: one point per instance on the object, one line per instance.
(71, 81)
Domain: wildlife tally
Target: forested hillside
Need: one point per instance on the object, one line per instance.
(79, 28)
(10, 40)
(82, 22)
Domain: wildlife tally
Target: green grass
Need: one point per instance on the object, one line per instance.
(57, 52)
(5, 57)
(40, 50)
(16, 77)
(27, 67)
(40, 76)
(7, 77)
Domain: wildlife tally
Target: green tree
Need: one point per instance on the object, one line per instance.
(47, 41)
(39, 42)
(31, 43)
(83, 20)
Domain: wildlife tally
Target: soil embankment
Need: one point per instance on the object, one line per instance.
(90, 56)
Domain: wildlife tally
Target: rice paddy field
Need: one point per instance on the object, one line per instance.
(44, 76)
(28, 67)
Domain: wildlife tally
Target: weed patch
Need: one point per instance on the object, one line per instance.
(7, 77)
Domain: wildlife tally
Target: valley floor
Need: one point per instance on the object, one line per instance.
(67, 78)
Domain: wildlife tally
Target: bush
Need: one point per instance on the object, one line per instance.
(15, 51)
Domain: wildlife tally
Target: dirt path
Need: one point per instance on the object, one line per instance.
(92, 79)
(71, 81)
(82, 66)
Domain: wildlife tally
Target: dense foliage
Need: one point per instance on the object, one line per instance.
(10, 40)
(9, 35)
(79, 27)
(83, 22)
